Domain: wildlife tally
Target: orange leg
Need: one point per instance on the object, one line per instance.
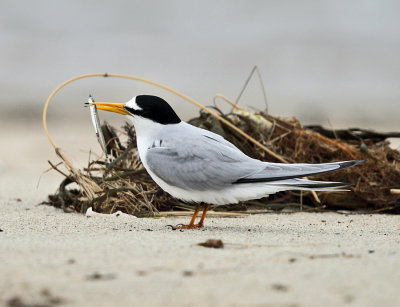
(192, 225)
(196, 212)
(203, 216)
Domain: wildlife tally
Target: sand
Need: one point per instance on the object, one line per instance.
(298, 259)
(50, 258)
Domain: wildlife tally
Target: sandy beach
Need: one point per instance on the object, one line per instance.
(52, 258)
(49, 258)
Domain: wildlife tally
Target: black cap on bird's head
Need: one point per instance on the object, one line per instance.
(149, 107)
(153, 108)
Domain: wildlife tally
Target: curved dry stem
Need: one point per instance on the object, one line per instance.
(245, 135)
(234, 105)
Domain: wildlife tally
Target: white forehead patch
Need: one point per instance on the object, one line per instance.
(132, 104)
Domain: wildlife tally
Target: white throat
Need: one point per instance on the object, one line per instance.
(147, 132)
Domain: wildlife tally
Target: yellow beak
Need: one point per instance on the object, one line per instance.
(111, 107)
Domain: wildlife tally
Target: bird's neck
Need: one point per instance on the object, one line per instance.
(147, 132)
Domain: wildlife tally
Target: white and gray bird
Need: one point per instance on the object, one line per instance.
(199, 166)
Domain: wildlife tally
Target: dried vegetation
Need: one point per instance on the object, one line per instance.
(123, 184)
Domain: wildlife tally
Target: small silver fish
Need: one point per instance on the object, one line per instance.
(96, 124)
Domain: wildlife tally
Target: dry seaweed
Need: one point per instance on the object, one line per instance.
(356, 134)
(124, 185)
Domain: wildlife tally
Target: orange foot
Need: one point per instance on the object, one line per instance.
(192, 225)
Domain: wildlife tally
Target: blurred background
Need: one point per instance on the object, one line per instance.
(333, 62)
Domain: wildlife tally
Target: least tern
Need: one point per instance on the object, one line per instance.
(201, 167)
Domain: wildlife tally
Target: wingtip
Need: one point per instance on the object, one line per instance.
(324, 185)
(346, 164)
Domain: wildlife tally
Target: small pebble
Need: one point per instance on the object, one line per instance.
(212, 243)
(188, 273)
(280, 287)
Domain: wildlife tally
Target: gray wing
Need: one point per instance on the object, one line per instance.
(279, 171)
(210, 162)
(200, 163)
